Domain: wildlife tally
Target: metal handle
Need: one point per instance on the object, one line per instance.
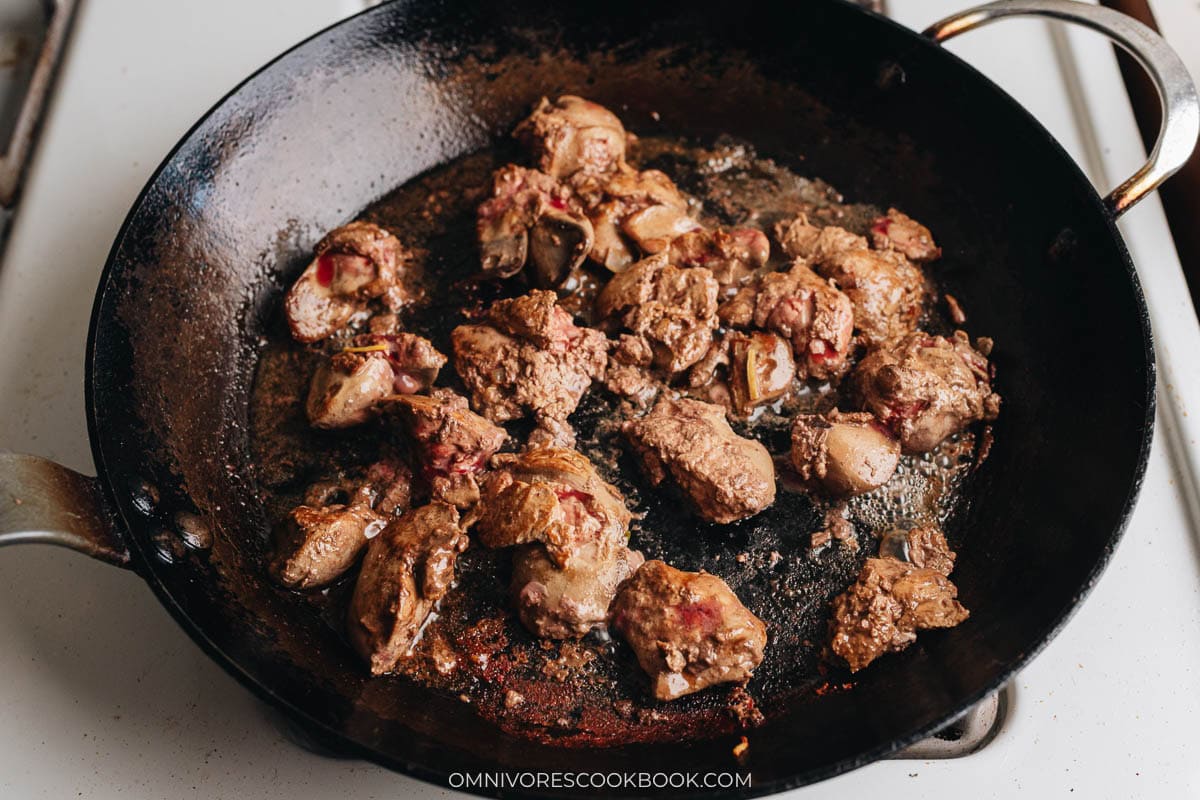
(46, 503)
(1176, 91)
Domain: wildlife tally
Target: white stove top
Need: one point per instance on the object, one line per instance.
(103, 696)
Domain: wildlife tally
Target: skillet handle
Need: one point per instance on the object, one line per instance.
(1176, 91)
(43, 502)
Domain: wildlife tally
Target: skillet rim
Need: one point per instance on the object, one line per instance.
(146, 565)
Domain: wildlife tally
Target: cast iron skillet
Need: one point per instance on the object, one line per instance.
(885, 115)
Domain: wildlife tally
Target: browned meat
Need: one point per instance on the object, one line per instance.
(536, 317)
(551, 432)
(384, 322)
(573, 135)
(883, 610)
(316, 544)
(710, 375)
(643, 209)
(502, 221)
(531, 358)
(453, 443)
(727, 477)
(492, 364)
(387, 484)
(804, 308)
(558, 243)
(354, 264)
(801, 239)
(629, 361)
(731, 255)
(654, 228)
(347, 389)
(610, 249)
(926, 387)
(688, 629)
(531, 217)
(554, 496)
(898, 231)
(674, 310)
(583, 142)
(572, 528)
(568, 602)
(887, 291)
(390, 480)
(761, 369)
(923, 546)
(409, 566)
(846, 454)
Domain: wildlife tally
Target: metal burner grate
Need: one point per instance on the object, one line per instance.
(967, 734)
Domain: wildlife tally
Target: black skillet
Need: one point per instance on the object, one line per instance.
(884, 114)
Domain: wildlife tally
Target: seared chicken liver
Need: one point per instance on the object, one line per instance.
(883, 610)
(572, 528)
(629, 363)
(926, 387)
(531, 217)
(922, 546)
(316, 544)
(886, 289)
(347, 389)
(801, 239)
(731, 255)
(806, 310)
(567, 602)
(573, 135)
(632, 212)
(531, 358)
(453, 443)
(761, 369)
(688, 629)
(676, 305)
(846, 454)
(554, 496)
(354, 264)
(727, 478)
(898, 231)
(390, 480)
(385, 485)
(409, 566)
(673, 309)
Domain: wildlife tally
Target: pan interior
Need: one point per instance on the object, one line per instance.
(592, 692)
(189, 296)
